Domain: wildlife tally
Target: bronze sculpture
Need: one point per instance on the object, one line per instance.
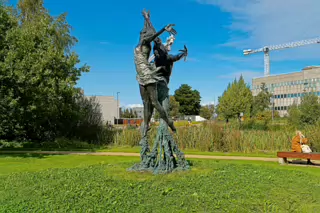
(148, 74)
(160, 72)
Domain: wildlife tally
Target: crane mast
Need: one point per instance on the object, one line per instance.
(266, 50)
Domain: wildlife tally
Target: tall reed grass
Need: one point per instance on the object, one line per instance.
(224, 138)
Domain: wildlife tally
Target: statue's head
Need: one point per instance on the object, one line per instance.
(145, 33)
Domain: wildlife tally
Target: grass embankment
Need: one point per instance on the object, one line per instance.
(101, 184)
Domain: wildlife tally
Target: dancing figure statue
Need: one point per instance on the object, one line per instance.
(156, 92)
(148, 75)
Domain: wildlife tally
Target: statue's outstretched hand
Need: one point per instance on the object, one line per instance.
(146, 14)
(170, 30)
(185, 52)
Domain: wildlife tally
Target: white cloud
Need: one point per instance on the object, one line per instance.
(268, 22)
(133, 105)
(207, 103)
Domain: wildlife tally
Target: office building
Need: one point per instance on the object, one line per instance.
(289, 88)
(138, 111)
(110, 108)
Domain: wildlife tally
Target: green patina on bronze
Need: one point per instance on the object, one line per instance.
(165, 156)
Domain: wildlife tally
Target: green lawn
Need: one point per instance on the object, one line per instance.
(102, 184)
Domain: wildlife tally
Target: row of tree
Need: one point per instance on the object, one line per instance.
(128, 113)
(39, 100)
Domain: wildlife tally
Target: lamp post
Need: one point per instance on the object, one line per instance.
(117, 107)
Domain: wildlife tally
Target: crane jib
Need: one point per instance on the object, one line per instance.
(267, 49)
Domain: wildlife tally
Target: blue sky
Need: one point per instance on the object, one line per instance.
(215, 32)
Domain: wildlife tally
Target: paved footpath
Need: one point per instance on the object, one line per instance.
(138, 155)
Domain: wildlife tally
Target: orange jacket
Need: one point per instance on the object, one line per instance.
(296, 146)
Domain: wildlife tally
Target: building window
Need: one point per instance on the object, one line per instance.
(285, 95)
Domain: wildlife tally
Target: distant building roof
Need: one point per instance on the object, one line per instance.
(306, 68)
(311, 67)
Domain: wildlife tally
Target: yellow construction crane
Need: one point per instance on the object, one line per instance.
(267, 49)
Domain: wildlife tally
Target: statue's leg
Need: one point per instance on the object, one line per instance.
(147, 110)
(153, 94)
(163, 97)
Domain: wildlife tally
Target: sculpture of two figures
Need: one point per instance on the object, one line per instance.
(153, 76)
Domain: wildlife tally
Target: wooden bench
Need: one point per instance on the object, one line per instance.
(283, 156)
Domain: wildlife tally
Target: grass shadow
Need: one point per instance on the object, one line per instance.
(303, 162)
(190, 162)
(24, 155)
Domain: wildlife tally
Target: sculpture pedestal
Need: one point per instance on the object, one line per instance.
(161, 159)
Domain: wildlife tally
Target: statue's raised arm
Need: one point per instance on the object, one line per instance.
(184, 53)
(153, 34)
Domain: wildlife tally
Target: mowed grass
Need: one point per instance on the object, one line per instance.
(102, 184)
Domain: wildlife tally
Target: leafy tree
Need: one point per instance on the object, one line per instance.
(174, 107)
(188, 99)
(38, 75)
(261, 102)
(308, 112)
(224, 109)
(207, 112)
(236, 99)
(294, 117)
(310, 109)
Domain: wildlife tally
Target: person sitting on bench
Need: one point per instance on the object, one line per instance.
(299, 144)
